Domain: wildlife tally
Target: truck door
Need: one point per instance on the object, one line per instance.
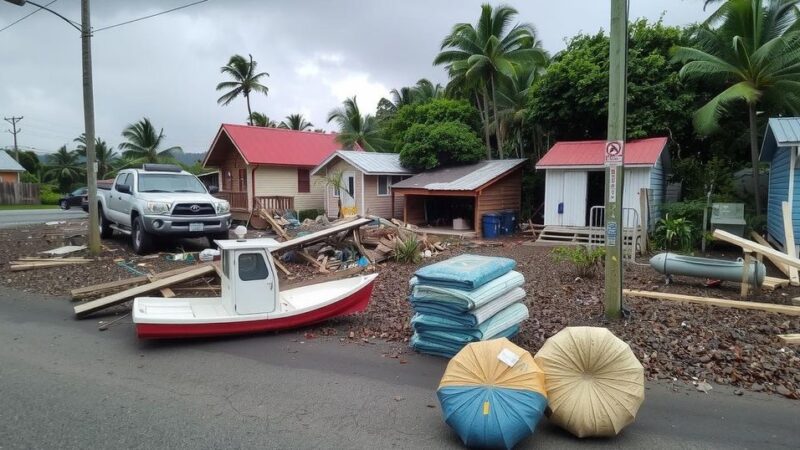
(254, 284)
(113, 198)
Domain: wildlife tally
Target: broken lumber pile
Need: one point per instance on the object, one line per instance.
(720, 302)
(115, 286)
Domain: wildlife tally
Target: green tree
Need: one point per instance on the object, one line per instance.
(261, 120)
(428, 146)
(421, 92)
(245, 81)
(356, 129)
(296, 122)
(433, 112)
(513, 109)
(143, 145)
(105, 156)
(752, 47)
(64, 168)
(479, 56)
(28, 160)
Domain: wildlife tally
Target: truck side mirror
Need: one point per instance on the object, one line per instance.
(124, 188)
(213, 190)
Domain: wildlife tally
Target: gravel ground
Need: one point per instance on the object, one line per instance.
(691, 343)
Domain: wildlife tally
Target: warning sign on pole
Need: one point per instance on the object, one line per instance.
(612, 184)
(615, 151)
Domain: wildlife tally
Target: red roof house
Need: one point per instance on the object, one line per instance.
(575, 181)
(269, 167)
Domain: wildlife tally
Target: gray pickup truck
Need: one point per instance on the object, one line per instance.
(161, 200)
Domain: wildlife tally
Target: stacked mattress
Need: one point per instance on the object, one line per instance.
(465, 299)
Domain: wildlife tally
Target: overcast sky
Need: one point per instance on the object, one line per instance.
(317, 53)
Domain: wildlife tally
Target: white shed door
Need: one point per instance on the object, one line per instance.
(565, 198)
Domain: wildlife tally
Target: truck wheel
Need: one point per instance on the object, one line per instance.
(141, 239)
(105, 226)
(216, 237)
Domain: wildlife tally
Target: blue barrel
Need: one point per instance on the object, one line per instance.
(491, 225)
(508, 221)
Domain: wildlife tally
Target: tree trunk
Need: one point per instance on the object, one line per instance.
(249, 113)
(754, 155)
(498, 133)
(486, 130)
(486, 122)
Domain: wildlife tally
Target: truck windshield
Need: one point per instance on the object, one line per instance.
(170, 183)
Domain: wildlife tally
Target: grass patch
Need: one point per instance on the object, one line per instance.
(23, 207)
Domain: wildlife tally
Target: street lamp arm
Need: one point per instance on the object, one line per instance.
(71, 23)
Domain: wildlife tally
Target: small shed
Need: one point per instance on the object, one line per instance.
(575, 180)
(438, 197)
(10, 169)
(780, 148)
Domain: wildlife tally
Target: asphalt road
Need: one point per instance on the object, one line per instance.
(64, 384)
(15, 218)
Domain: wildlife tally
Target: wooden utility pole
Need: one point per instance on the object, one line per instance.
(614, 159)
(88, 117)
(14, 130)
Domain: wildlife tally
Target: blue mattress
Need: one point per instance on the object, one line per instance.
(453, 331)
(458, 300)
(433, 345)
(470, 318)
(466, 272)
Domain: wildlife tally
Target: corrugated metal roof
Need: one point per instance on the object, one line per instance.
(592, 153)
(9, 164)
(460, 178)
(781, 132)
(371, 163)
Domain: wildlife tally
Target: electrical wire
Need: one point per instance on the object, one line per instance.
(148, 17)
(25, 17)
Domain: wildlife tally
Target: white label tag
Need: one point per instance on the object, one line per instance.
(508, 357)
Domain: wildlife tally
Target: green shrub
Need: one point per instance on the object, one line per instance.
(676, 234)
(585, 260)
(408, 250)
(312, 214)
(692, 211)
(48, 194)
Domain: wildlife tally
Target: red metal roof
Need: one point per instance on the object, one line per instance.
(592, 153)
(278, 146)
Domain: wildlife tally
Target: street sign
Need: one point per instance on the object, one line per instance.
(614, 153)
(612, 184)
(611, 234)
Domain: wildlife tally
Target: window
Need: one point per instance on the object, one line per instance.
(161, 182)
(252, 267)
(336, 191)
(242, 180)
(385, 183)
(303, 180)
(226, 263)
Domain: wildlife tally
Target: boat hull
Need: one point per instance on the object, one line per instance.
(353, 303)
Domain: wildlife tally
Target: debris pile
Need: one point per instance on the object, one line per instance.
(465, 299)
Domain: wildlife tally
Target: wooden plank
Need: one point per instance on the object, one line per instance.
(266, 215)
(745, 284)
(788, 231)
(281, 267)
(772, 283)
(796, 301)
(790, 339)
(361, 249)
(43, 265)
(720, 302)
(119, 284)
(65, 250)
(775, 262)
(320, 235)
(320, 279)
(120, 297)
(755, 247)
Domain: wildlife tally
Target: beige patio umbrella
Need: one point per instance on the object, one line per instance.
(594, 382)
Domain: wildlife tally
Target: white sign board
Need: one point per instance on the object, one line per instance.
(612, 184)
(614, 153)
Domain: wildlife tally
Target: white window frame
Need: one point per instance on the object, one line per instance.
(388, 186)
(335, 191)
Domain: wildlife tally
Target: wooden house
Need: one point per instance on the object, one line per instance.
(367, 179)
(780, 148)
(269, 167)
(10, 169)
(460, 195)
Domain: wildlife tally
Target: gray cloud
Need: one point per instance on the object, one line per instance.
(317, 52)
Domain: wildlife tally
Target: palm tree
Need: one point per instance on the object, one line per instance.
(143, 144)
(422, 92)
(245, 81)
(64, 168)
(355, 129)
(105, 156)
(296, 122)
(513, 97)
(261, 120)
(752, 47)
(489, 51)
(425, 91)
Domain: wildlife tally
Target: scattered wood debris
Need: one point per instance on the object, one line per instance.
(721, 302)
(41, 263)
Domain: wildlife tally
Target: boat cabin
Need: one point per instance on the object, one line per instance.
(249, 281)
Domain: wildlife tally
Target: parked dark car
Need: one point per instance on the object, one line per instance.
(73, 199)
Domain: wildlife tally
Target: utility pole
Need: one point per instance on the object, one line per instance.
(614, 156)
(14, 130)
(88, 117)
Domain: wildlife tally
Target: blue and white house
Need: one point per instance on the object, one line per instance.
(780, 148)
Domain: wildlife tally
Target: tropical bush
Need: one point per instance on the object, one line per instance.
(584, 260)
(408, 250)
(312, 214)
(48, 194)
(675, 233)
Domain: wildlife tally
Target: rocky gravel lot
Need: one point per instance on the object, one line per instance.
(674, 341)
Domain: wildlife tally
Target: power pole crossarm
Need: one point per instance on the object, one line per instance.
(14, 130)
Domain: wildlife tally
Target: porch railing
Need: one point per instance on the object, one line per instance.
(274, 202)
(238, 200)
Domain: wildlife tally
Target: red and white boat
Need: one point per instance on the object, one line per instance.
(251, 300)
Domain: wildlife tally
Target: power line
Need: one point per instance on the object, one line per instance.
(13, 121)
(25, 16)
(147, 17)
